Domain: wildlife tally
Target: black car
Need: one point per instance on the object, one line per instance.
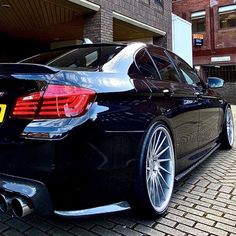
(101, 127)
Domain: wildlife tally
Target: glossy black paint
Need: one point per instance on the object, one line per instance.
(90, 160)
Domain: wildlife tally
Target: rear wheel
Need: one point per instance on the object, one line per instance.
(155, 173)
(228, 129)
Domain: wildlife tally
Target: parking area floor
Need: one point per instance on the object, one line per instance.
(204, 203)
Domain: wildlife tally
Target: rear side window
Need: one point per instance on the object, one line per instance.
(164, 65)
(143, 66)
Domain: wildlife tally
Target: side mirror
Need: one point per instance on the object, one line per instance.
(215, 82)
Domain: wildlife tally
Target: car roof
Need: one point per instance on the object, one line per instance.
(90, 45)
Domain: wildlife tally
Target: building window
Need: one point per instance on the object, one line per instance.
(227, 16)
(160, 2)
(198, 21)
(146, 1)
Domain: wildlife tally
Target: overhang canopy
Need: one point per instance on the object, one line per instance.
(136, 29)
(45, 20)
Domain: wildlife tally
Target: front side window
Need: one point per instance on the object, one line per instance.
(188, 74)
(227, 16)
(198, 21)
(164, 65)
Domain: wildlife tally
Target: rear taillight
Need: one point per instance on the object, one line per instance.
(58, 101)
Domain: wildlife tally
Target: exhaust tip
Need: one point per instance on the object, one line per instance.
(4, 203)
(20, 207)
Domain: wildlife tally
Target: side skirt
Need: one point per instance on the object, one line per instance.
(187, 171)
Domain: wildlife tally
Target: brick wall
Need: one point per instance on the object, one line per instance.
(224, 40)
(100, 27)
(229, 92)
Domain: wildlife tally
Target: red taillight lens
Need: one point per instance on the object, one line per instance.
(58, 101)
(27, 106)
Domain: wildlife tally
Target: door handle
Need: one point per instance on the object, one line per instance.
(198, 94)
(167, 92)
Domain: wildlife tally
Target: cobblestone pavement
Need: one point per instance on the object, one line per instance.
(204, 203)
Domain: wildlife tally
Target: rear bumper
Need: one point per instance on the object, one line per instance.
(34, 191)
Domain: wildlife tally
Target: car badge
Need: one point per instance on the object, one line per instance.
(2, 94)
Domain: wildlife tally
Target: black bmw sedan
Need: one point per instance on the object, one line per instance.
(102, 127)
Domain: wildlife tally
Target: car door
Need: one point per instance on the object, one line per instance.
(179, 103)
(209, 103)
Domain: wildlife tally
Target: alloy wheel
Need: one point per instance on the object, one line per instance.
(230, 126)
(160, 169)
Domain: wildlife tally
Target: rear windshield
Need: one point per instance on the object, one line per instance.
(87, 58)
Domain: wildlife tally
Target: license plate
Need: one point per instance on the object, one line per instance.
(2, 111)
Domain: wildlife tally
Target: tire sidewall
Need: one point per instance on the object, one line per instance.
(225, 139)
(141, 191)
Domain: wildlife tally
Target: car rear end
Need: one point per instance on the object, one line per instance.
(33, 113)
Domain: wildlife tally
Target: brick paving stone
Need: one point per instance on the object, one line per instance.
(181, 220)
(169, 230)
(103, 231)
(221, 219)
(124, 221)
(202, 194)
(4, 217)
(12, 232)
(175, 211)
(203, 183)
(60, 223)
(224, 210)
(40, 224)
(210, 210)
(191, 210)
(226, 189)
(200, 219)
(104, 223)
(213, 202)
(59, 232)
(81, 232)
(126, 231)
(188, 195)
(83, 224)
(171, 222)
(3, 227)
(148, 231)
(199, 202)
(18, 224)
(200, 189)
(224, 195)
(229, 216)
(226, 227)
(35, 232)
(211, 230)
(211, 192)
(182, 202)
(191, 230)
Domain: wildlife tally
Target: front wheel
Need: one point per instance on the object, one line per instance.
(228, 129)
(154, 181)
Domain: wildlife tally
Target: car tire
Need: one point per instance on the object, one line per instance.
(228, 129)
(155, 172)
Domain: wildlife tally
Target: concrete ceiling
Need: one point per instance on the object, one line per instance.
(42, 20)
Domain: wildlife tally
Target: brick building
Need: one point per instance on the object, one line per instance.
(28, 26)
(214, 38)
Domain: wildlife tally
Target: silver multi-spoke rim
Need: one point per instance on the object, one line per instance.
(230, 126)
(160, 169)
